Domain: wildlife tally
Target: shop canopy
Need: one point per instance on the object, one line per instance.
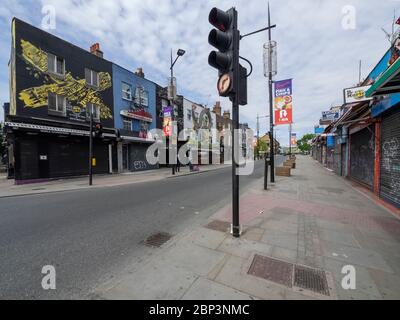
(388, 82)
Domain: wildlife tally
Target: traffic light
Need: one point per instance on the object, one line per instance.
(98, 130)
(226, 39)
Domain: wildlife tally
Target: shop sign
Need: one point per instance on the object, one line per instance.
(141, 115)
(357, 94)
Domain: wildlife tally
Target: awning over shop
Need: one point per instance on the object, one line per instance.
(388, 82)
(50, 129)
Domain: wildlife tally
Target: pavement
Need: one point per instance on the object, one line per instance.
(299, 240)
(94, 235)
(9, 189)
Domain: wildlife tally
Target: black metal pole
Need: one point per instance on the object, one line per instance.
(173, 110)
(258, 137)
(235, 130)
(235, 167)
(290, 139)
(266, 166)
(91, 147)
(271, 109)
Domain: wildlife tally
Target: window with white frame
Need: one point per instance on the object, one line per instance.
(189, 115)
(92, 77)
(127, 124)
(91, 107)
(126, 91)
(141, 97)
(56, 103)
(55, 64)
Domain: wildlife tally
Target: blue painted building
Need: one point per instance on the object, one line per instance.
(134, 116)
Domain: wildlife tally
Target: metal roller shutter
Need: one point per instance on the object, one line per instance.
(390, 159)
(362, 156)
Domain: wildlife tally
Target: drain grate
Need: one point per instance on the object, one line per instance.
(157, 240)
(218, 225)
(273, 270)
(311, 279)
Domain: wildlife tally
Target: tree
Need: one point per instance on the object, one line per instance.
(304, 144)
(261, 148)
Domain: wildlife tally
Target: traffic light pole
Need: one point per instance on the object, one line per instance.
(236, 230)
(232, 83)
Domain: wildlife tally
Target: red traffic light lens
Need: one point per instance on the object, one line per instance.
(219, 19)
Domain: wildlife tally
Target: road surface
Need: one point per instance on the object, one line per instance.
(91, 235)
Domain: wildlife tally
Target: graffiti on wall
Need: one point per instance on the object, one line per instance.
(77, 93)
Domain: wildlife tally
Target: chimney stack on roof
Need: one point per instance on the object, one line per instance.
(139, 72)
(95, 49)
(217, 108)
(227, 114)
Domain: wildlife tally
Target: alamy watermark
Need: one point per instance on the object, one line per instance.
(203, 146)
(349, 19)
(49, 20)
(349, 281)
(49, 279)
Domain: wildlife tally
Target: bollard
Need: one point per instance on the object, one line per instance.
(266, 174)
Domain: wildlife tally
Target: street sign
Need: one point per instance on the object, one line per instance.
(224, 84)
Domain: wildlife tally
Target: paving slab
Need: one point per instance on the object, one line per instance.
(244, 248)
(197, 259)
(339, 237)
(388, 284)
(207, 238)
(204, 289)
(355, 256)
(155, 281)
(280, 239)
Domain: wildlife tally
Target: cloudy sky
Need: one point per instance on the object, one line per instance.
(318, 46)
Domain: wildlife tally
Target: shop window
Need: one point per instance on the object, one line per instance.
(55, 64)
(91, 107)
(126, 91)
(56, 104)
(92, 78)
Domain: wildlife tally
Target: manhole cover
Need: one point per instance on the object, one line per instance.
(273, 270)
(218, 225)
(158, 239)
(311, 279)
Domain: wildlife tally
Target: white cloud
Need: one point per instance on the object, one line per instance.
(313, 48)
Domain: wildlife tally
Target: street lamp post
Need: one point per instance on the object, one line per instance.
(172, 90)
(91, 141)
(270, 69)
(91, 147)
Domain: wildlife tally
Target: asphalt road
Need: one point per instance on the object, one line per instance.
(92, 235)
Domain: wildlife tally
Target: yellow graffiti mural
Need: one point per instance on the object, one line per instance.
(75, 90)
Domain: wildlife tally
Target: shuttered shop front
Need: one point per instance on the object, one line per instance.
(390, 159)
(362, 149)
